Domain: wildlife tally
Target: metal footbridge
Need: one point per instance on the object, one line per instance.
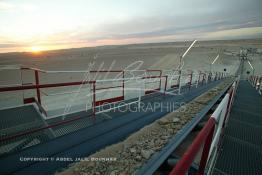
(228, 143)
(241, 149)
(232, 138)
(27, 131)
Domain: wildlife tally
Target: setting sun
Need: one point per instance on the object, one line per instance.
(35, 49)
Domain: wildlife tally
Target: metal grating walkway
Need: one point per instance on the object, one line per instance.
(84, 141)
(241, 150)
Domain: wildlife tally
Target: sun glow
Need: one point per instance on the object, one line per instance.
(35, 49)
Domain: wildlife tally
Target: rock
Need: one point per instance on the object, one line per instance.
(90, 164)
(179, 126)
(138, 158)
(175, 120)
(151, 143)
(175, 127)
(163, 121)
(114, 172)
(76, 169)
(146, 153)
(133, 150)
(164, 137)
(154, 133)
(83, 173)
(171, 131)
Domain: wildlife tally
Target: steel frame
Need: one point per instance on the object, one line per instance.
(38, 86)
(205, 136)
(85, 134)
(157, 160)
(94, 85)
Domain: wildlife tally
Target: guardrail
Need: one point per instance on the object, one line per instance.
(209, 137)
(256, 82)
(164, 85)
(153, 81)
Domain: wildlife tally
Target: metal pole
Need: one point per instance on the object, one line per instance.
(179, 83)
(165, 85)
(94, 99)
(190, 82)
(123, 85)
(37, 88)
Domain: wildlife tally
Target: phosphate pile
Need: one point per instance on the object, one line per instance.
(132, 153)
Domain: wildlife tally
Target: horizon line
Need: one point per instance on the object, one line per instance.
(138, 43)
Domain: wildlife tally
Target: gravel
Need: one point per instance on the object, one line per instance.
(132, 153)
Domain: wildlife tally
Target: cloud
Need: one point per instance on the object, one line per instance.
(250, 32)
(161, 27)
(112, 22)
(10, 45)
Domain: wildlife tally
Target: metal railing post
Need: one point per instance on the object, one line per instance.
(179, 82)
(160, 83)
(190, 82)
(37, 86)
(123, 85)
(94, 99)
(203, 78)
(165, 86)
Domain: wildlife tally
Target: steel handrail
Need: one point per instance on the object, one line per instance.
(206, 137)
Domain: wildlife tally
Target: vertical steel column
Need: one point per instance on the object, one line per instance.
(203, 79)
(180, 74)
(123, 83)
(22, 82)
(199, 76)
(37, 88)
(165, 85)
(160, 80)
(190, 82)
(94, 98)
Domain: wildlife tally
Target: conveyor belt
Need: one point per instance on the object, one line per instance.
(241, 150)
(89, 139)
(158, 158)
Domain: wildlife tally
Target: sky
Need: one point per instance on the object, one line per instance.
(31, 25)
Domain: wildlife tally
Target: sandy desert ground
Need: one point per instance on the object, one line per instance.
(140, 56)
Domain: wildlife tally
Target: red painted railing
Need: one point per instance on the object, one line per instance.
(150, 77)
(205, 137)
(94, 87)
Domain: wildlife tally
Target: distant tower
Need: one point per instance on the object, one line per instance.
(246, 56)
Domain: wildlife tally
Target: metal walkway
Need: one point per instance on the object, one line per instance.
(241, 149)
(93, 138)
